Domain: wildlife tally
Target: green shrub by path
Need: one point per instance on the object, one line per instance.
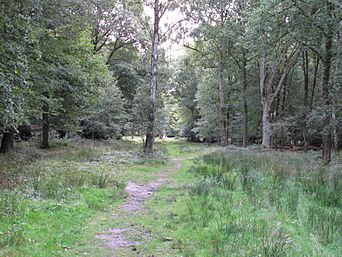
(263, 204)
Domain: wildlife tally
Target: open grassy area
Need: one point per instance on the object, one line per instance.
(48, 197)
(221, 202)
(249, 203)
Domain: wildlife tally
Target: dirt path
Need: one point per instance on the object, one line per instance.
(118, 238)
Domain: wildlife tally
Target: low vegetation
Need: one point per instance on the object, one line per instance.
(46, 198)
(247, 203)
(221, 202)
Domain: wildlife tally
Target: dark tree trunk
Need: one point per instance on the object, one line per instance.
(46, 127)
(7, 142)
(305, 66)
(336, 86)
(148, 148)
(314, 83)
(327, 144)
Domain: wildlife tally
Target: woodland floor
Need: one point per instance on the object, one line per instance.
(129, 236)
(140, 225)
(107, 199)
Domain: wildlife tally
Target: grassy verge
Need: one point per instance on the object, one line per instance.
(220, 202)
(246, 203)
(47, 198)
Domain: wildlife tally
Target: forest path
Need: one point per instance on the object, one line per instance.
(129, 235)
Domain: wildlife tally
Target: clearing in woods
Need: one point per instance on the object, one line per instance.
(139, 225)
(107, 199)
(130, 236)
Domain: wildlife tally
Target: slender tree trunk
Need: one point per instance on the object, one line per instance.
(314, 83)
(266, 126)
(326, 153)
(336, 86)
(284, 97)
(222, 108)
(153, 87)
(335, 135)
(228, 126)
(7, 142)
(245, 135)
(222, 96)
(46, 127)
(305, 66)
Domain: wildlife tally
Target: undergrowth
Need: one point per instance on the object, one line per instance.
(46, 197)
(259, 204)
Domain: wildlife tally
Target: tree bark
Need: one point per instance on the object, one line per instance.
(149, 143)
(305, 66)
(336, 86)
(326, 153)
(314, 83)
(7, 142)
(222, 106)
(266, 133)
(327, 142)
(46, 127)
(266, 125)
(245, 136)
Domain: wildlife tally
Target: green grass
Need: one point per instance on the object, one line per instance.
(47, 198)
(244, 203)
(252, 204)
(229, 202)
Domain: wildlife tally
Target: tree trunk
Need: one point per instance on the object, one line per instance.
(336, 86)
(222, 108)
(334, 135)
(153, 87)
(245, 135)
(326, 153)
(266, 125)
(314, 83)
(305, 66)
(7, 142)
(268, 95)
(222, 97)
(46, 127)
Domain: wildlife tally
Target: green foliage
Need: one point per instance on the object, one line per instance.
(207, 125)
(54, 65)
(15, 47)
(106, 118)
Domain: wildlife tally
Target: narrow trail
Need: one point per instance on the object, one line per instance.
(121, 237)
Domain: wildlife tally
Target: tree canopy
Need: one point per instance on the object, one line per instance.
(266, 72)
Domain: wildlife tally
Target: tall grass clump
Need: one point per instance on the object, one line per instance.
(248, 203)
